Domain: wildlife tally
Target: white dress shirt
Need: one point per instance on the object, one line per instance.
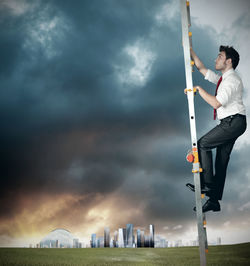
(229, 93)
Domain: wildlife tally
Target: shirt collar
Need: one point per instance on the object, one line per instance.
(230, 71)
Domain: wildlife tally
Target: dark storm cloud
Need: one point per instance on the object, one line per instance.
(65, 125)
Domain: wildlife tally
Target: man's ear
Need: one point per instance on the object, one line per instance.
(229, 61)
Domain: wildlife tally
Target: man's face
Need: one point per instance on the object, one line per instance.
(221, 61)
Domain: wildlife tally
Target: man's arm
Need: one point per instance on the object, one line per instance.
(210, 99)
(198, 63)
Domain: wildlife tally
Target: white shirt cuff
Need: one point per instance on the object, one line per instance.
(207, 74)
(220, 100)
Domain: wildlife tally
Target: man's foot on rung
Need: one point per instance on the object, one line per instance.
(210, 205)
(204, 190)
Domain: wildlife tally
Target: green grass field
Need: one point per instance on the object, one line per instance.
(233, 255)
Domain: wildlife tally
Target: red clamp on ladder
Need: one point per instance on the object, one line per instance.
(190, 157)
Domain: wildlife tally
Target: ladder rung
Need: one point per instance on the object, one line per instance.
(196, 171)
(194, 90)
(188, 13)
(190, 40)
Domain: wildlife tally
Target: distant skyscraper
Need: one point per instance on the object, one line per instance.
(106, 237)
(142, 239)
(129, 235)
(75, 243)
(100, 242)
(93, 241)
(146, 241)
(115, 242)
(163, 243)
(111, 243)
(124, 236)
(151, 235)
(138, 238)
(120, 238)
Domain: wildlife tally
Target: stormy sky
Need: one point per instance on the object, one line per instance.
(94, 121)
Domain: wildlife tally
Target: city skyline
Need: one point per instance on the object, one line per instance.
(124, 238)
(144, 239)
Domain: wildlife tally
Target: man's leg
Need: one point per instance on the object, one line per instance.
(212, 139)
(221, 162)
(223, 138)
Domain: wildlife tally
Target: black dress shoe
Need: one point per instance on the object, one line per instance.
(210, 206)
(204, 190)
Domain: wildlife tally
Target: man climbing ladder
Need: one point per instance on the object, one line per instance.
(229, 108)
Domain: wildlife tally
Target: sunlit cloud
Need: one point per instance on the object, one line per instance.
(18, 7)
(177, 227)
(168, 12)
(46, 32)
(142, 59)
(245, 206)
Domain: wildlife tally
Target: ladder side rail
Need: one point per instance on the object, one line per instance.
(190, 96)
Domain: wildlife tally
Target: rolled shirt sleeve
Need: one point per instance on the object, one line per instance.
(212, 76)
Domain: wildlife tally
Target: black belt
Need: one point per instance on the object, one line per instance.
(232, 116)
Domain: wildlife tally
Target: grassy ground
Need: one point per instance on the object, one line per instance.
(230, 255)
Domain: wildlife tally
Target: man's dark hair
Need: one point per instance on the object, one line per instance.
(231, 53)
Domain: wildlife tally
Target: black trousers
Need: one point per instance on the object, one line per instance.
(222, 137)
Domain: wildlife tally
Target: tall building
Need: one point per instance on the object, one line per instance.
(93, 241)
(138, 238)
(100, 242)
(111, 243)
(106, 237)
(124, 236)
(129, 235)
(75, 243)
(163, 243)
(115, 242)
(151, 236)
(120, 238)
(142, 239)
(146, 241)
